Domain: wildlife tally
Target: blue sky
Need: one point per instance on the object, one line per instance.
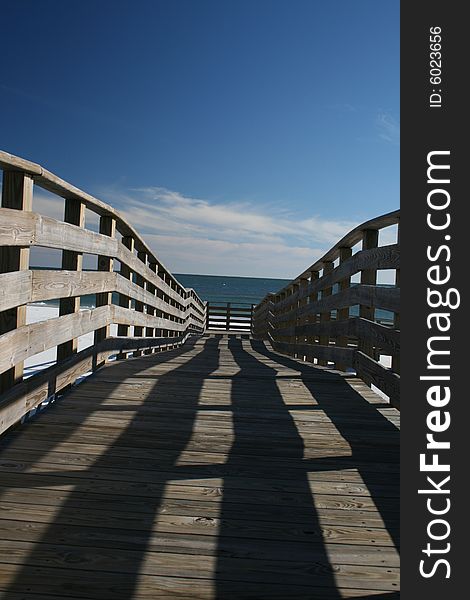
(241, 137)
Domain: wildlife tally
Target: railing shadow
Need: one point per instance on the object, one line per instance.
(98, 539)
(282, 538)
(103, 540)
(368, 420)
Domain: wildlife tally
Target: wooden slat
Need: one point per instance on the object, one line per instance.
(128, 258)
(25, 341)
(18, 228)
(351, 239)
(387, 381)
(49, 285)
(15, 289)
(56, 185)
(126, 287)
(324, 353)
(383, 337)
(21, 343)
(384, 257)
(380, 297)
(128, 317)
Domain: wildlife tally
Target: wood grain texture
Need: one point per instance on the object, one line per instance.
(15, 289)
(381, 336)
(219, 470)
(20, 229)
(29, 394)
(369, 295)
(21, 343)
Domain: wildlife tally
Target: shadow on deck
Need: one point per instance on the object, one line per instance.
(219, 470)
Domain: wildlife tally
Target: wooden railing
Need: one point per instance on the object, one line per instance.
(228, 316)
(325, 318)
(154, 312)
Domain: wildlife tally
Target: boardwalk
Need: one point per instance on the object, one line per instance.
(221, 469)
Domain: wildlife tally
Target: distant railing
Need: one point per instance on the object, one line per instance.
(154, 311)
(325, 318)
(228, 316)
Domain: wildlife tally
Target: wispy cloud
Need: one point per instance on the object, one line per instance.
(235, 238)
(239, 220)
(388, 127)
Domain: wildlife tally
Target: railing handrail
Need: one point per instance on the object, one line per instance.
(163, 315)
(54, 184)
(348, 241)
(297, 319)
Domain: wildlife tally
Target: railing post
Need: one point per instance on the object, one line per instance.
(302, 301)
(343, 313)
(150, 331)
(276, 313)
(74, 214)
(294, 288)
(125, 301)
(396, 317)
(370, 240)
(139, 306)
(268, 320)
(105, 264)
(312, 297)
(328, 266)
(227, 322)
(17, 193)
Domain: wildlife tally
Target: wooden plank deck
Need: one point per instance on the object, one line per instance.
(219, 470)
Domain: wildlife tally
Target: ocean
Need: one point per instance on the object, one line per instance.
(214, 288)
(236, 290)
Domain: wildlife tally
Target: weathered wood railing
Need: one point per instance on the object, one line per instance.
(155, 311)
(228, 316)
(313, 318)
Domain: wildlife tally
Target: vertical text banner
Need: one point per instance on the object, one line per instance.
(435, 266)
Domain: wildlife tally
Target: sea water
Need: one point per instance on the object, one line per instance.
(220, 289)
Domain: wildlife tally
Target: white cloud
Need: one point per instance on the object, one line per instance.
(388, 127)
(224, 257)
(234, 238)
(166, 211)
(192, 235)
